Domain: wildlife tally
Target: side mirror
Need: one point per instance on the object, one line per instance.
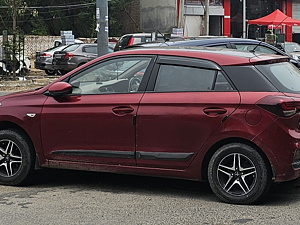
(60, 88)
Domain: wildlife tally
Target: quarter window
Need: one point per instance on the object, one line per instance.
(189, 79)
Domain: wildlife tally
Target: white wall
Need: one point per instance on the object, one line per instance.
(158, 15)
(192, 26)
(296, 14)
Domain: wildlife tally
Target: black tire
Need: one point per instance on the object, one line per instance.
(244, 184)
(16, 158)
(50, 72)
(62, 72)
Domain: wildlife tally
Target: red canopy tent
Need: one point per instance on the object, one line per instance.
(275, 18)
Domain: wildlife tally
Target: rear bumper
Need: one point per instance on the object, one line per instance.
(280, 144)
(64, 66)
(43, 66)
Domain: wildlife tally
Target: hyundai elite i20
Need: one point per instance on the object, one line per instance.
(228, 117)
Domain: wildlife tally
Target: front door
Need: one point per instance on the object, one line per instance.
(95, 123)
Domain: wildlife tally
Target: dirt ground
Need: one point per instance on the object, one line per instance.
(35, 79)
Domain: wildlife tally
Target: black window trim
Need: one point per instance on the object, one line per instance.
(145, 80)
(182, 61)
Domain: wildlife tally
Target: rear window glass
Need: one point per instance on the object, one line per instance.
(248, 78)
(90, 49)
(285, 76)
(258, 48)
(71, 48)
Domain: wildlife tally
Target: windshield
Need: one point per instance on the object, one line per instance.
(292, 47)
(284, 76)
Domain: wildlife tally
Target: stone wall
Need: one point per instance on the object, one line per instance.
(35, 44)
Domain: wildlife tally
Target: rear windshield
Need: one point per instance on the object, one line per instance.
(71, 48)
(284, 76)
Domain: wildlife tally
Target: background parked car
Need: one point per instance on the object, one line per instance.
(74, 56)
(233, 43)
(292, 48)
(43, 60)
(132, 39)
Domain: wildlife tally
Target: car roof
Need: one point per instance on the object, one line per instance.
(219, 55)
(208, 42)
(202, 42)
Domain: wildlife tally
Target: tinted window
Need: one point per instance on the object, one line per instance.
(71, 48)
(248, 78)
(285, 76)
(218, 45)
(114, 76)
(250, 47)
(90, 49)
(185, 79)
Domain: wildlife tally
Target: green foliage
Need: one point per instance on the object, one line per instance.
(34, 19)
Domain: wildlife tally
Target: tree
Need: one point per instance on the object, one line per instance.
(15, 8)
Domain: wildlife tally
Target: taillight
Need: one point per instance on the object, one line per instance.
(68, 55)
(280, 105)
(46, 55)
(131, 41)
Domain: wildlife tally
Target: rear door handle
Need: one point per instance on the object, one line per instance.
(214, 111)
(122, 111)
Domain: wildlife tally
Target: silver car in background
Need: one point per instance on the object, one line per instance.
(43, 60)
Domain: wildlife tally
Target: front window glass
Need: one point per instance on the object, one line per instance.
(285, 76)
(123, 75)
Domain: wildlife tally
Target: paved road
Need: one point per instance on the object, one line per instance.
(73, 197)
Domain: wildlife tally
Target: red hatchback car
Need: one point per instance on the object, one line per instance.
(228, 117)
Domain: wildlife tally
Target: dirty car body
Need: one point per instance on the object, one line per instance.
(228, 117)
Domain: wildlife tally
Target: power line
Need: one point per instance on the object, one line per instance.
(51, 7)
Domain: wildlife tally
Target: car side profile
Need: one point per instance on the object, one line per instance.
(74, 55)
(136, 38)
(227, 117)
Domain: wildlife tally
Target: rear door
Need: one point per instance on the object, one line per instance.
(186, 101)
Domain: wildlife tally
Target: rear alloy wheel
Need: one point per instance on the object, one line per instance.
(238, 174)
(16, 158)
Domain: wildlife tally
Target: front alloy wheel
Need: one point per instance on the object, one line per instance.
(17, 157)
(10, 158)
(238, 174)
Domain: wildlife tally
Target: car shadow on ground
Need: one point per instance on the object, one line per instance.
(279, 194)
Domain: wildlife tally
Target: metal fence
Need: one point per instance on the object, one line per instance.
(35, 44)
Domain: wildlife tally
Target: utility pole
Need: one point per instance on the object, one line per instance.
(206, 18)
(244, 19)
(102, 26)
(180, 14)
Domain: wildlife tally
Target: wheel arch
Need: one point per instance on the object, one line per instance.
(223, 142)
(6, 125)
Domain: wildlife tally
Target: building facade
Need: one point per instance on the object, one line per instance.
(226, 16)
